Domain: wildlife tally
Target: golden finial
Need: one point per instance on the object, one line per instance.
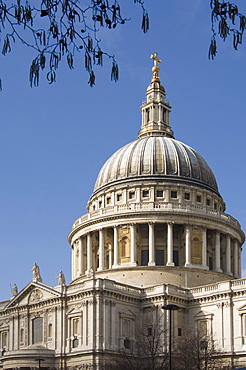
(156, 68)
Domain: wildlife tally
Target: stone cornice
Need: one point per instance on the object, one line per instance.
(167, 216)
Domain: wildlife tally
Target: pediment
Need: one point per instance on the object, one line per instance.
(202, 315)
(127, 313)
(33, 293)
(242, 309)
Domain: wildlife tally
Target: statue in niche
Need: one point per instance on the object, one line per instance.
(14, 290)
(36, 277)
(61, 278)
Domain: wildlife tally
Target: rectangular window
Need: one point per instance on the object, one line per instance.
(215, 205)
(37, 330)
(159, 257)
(75, 343)
(176, 257)
(149, 332)
(203, 327)
(159, 193)
(180, 332)
(131, 194)
(187, 196)
(145, 193)
(208, 202)
(75, 327)
(173, 194)
(108, 200)
(127, 343)
(198, 198)
(119, 197)
(100, 204)
(4, 339)
(144, 257)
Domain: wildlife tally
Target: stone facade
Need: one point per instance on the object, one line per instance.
(156, 232)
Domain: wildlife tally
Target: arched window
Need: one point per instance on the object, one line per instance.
(147, 115)
(164, 114)
(37, 330)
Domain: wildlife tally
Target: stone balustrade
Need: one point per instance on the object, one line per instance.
(156, 207)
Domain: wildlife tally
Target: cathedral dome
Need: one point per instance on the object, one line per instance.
(155, 207)
(156, 155)
(158, 158)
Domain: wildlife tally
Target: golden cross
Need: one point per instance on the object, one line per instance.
(155, 58)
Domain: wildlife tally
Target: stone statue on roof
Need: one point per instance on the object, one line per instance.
(36, 277)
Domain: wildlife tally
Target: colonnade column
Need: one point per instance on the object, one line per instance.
(116, 247)
(228, 255)
(235, 258)
(187, 246)
(101, 250)
(89, 253)
(151, 244)
(217, 252)
(170, 244)
(133, 244)
(73, 260)
(81, 262)
(110, 253)
(204, 248)
(239, 262)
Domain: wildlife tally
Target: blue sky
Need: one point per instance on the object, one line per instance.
(55, 138)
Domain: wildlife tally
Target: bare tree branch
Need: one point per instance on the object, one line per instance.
(58, 29)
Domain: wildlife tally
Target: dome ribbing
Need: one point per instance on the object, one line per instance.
(158, 158)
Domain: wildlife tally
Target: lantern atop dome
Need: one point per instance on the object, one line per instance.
(155, 110)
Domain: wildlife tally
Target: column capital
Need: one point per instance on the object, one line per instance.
(170, 223)
(77, 241)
